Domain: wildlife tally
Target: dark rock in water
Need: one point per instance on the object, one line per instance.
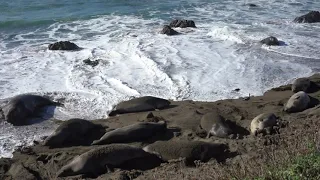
(182, 23)
(252, 5)
(168, 31)
(270, 41)
(311, 17)
(91, 63)
(63, 45)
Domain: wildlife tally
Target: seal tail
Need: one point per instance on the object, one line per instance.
(113, 113)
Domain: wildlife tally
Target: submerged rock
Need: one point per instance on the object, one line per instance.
(63, 45)
(168, 31)
(270, 41)
(182, 23)
(91, 63)
(311, 17)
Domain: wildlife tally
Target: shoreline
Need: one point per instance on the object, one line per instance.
(185, 116)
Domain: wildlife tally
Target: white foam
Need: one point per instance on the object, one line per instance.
(205, 63)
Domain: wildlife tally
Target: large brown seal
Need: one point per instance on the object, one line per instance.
(20, 107)
(300, 84)
(131, 133)
(99, 160)
(215, 125)
(261, 122)
(190, 150)
(146, 103)
(74, 132)
(297, 102)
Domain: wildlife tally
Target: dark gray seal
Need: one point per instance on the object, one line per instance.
(20, 107)
(74, 132)
(300, 84)
(132, 133)
(101, 159)
(146, 103)
(270, 41)
(190, 150)
(215, 125)
(297, 102)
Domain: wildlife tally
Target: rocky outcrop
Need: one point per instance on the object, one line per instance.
(311, 17)
(182, 23)
(63, 45)
(90, 62)
(168, 31)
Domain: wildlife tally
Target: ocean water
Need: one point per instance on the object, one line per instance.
(205, 64)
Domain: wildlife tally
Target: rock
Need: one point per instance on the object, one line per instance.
(168, 31)
(63, 45)
(311, 17)
(182, 23)
(270, 41)
(19, 171)
(91, 63)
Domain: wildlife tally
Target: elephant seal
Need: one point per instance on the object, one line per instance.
(270, 41)
(131, 133)
(261, 122)
(23, 106)
(190, 150)
(300, 84)
(215, 125)
(73, 132)
(101, 159)
(297, 102)
(146, 103)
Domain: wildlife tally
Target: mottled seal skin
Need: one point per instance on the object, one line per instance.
(297, 102)
(146, 103)
(99, 160)
(190, 150)
(132, 133)
(215, 125)
(261, 122)
(71, 132)
(300, 84)
(23, 106)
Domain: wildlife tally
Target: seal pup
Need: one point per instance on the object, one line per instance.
(146, 103)
(300, 84)
(73, 132)
(101, 159)
(215, 125)
(261, 122)
(132, 133)
(297, 102)
(23, 106)
(190, 150)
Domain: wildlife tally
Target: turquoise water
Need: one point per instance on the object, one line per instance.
(205, 63)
